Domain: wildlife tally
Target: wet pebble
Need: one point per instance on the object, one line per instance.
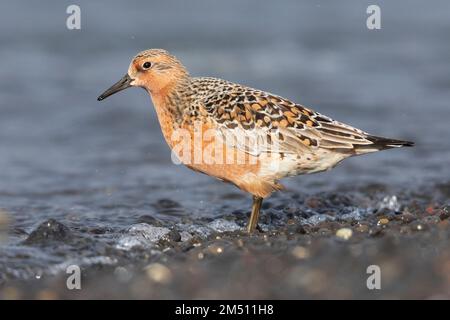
(354, 214)
(390, 203)
(170, 240)
(50, 230)
(185, 236)
(199, 231)
(173, 235)
(318, 218)
(141, 235)
(383, 221)
(344, 233)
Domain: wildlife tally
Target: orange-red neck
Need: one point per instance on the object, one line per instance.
(170, 103)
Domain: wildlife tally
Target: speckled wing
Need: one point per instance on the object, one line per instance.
(262, 122)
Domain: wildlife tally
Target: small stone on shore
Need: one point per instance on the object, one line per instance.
(344, 233)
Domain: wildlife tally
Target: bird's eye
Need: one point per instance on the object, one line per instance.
(147, 65)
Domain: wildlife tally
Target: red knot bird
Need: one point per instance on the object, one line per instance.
(244, 136)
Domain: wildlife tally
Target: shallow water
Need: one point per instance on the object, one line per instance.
(103, 169)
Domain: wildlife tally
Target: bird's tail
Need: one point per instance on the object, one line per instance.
(380, 143)
(386, 143)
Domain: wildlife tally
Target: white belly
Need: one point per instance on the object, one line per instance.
(278, 166)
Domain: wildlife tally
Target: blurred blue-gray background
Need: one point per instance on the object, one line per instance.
(63, 154)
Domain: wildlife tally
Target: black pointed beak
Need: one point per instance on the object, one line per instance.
(122, 84)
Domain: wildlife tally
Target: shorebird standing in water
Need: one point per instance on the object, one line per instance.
(271, 137)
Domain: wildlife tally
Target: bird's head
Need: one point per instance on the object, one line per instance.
(154, 70)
